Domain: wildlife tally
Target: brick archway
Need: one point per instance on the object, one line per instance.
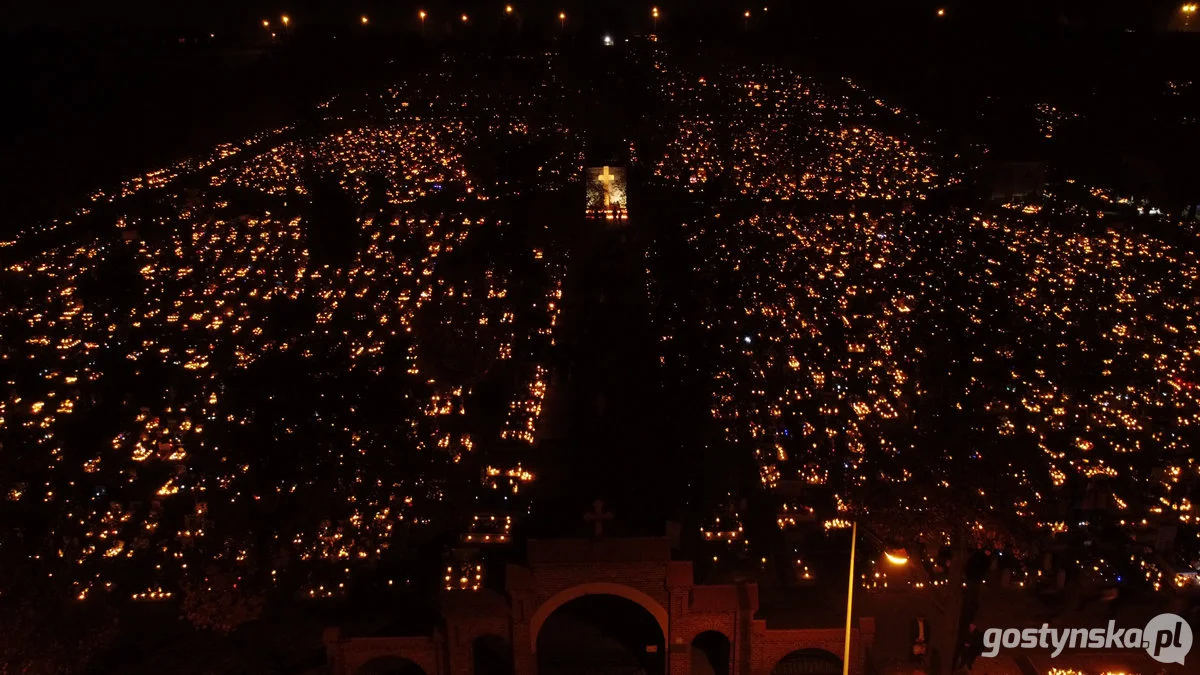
(595, 588)
(806, 661)
(716, 648)
(390, 665)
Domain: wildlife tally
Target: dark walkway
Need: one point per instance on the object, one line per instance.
(614, 436)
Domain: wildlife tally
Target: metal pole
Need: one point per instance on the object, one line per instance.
(850, 598)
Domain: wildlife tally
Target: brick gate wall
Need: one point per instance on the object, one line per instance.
(688, 625)
(653, 578)
(354, 653)
(771, 645)
(463, 628)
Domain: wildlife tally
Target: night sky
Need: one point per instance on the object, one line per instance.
(71, 14)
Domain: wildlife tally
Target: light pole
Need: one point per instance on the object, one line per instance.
(286, 20)
(746, 22)
(562, 20)
(421, 15)
(895, 557)
(363, 19)
(850, 590)
(654, 15)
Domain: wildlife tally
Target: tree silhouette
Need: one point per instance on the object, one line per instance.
(220, 600)
(950, 531)
(49, 632)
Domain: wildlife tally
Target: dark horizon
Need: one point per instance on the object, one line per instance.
(75, 91)
(231, 15)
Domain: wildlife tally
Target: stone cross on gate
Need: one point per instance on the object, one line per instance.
(597, 516)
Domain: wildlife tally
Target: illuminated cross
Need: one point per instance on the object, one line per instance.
(607, 179)
(597, 516)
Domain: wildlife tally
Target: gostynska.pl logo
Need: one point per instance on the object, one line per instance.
(1167, 638)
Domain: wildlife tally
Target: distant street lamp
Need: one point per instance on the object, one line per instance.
(421, 16)
(266, 24)
(464, 18)
(285, 20)
(1188, 10)
(746, 22)
(941, 11)
(562, 20)
(508, 9)
(654, 15)
(363, 19)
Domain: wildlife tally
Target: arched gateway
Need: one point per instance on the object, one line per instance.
(561, 572)
(595, 588)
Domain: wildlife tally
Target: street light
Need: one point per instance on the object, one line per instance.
(654, 15)
(562, 20)
(895, 556)
(464, 18)
(850, 591)
(508, 9)
(421, 15)
(285, 20)
(266, 24)
(941, 11)
(363, 19)
(746, 22)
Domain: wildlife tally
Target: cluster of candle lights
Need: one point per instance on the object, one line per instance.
(164, 338)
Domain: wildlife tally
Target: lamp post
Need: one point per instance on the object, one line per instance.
(849, 592)
(746, 21)
(363, 19)
(654, 16)
(562, 20)
(421, 15)
(895, 557)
